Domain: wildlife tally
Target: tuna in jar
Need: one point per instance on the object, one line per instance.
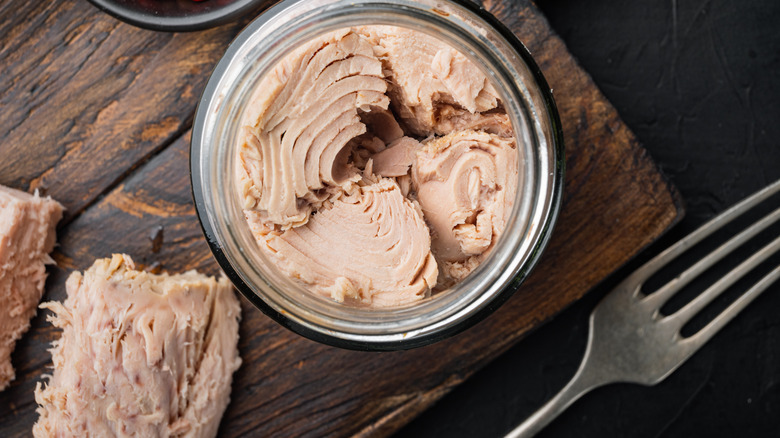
(377, 175)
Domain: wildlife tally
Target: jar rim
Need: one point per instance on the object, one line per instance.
(479, 305)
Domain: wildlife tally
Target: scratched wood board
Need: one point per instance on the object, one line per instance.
(97, 113)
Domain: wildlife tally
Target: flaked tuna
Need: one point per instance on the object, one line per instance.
(397, 159)
(332, 165)
(303, 117)
(140, 354)
(466, 184)
(369, 247)
(27, 236)
(425, 74)
(452, 119)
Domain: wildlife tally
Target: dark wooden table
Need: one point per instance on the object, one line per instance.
(96, 113)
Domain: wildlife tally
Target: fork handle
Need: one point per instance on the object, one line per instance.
(581, 383)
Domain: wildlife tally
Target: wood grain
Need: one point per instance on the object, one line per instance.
(615, 203)
(85, 98)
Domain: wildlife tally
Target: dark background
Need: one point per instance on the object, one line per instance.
(698, 83)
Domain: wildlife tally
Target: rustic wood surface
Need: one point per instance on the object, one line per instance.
(96, 113)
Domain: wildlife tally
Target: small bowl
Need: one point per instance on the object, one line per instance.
(178, 15)
(531, 108)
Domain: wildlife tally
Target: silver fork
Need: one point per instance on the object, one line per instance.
(630, 341)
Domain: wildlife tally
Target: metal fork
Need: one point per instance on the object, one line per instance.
(631, 341)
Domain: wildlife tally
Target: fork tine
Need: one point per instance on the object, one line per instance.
(702, 336)
(666, 291)
(659, 297)
(682, 316)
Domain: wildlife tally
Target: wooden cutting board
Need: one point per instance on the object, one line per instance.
(96, 113)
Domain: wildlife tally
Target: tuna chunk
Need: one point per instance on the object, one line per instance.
(424, 74)
(397, 159)
(466, 184)
(140, 354)
(370, 247)
(303, 116)
(27, 236)
(453, 119)
(464, 81)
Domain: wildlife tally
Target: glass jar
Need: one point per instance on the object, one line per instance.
(527, 100)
